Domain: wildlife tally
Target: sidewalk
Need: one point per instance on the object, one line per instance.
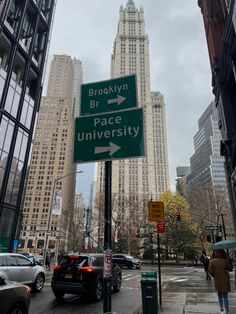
(192, 303)
(196, 296)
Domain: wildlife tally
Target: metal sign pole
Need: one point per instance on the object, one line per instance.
(159, 269)
(107, 240)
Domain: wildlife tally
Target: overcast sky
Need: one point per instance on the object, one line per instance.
(179, 60)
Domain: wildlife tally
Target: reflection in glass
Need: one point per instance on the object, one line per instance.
(29, 117)
(9, 99)
(8, 137)
(3, 127)
(2, 82)
(15, 105)
(6, 222)
(23, 147)
(18, 144)
(14, 180)
(24, 112)
(3, 162)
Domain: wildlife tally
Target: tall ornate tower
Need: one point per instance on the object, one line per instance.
(136, 180)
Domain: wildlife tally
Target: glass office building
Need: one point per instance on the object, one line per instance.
(24, 36)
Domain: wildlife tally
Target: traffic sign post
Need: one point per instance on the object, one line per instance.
(109, 136)
(109, 128)
(106, 96)
(156, 213)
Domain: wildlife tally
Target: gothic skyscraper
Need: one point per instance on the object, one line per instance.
(137, 180)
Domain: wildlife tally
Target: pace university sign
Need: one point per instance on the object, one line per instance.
(109, 136)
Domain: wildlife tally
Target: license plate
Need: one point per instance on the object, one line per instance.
(68, 275)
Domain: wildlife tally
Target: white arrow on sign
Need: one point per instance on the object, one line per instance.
(112, 149)
(119, 100)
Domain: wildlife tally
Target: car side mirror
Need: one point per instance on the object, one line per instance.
(33, 264)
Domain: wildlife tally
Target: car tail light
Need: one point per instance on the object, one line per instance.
(73, 257)
(87, 269)
(56, 267)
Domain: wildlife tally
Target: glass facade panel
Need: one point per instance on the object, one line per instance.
(2, 3)
(2, 82)
(13, 184)
(6, 131)
(6, 222)
(18, 144)
(12, 180)
(27, 111)
(24, 112)
(9, 99)
(23, 147)
(15, 104)
(29, 117)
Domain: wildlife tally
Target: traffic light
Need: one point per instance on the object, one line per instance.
(218, 238)
(178, 216)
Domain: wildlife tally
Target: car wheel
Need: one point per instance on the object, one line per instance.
(116, 288)
(97, 291)
(39, 283)
(17, 309)
(59, 295)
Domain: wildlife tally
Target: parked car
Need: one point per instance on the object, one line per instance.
(17, 267)
(36, 258)
(82, 274)
(128, 261)
(15, 297)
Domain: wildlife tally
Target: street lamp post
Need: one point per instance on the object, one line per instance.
(50, 212)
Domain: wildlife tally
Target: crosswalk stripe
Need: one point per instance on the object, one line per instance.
(133, 277)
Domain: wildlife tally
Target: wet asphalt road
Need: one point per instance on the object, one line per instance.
(124, 302)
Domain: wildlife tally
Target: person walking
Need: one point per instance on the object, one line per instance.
(205, 261)
(219, 268)
(47, 262)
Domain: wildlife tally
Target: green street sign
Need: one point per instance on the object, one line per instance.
(110, 95)
(109, 136)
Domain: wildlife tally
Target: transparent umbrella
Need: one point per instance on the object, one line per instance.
(224, 244)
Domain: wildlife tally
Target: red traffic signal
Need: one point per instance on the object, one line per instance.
(178, 216)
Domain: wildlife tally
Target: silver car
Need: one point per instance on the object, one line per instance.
(15, 297)
(17, 267)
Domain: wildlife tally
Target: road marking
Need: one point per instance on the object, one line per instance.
(132, 277)
(130, 288)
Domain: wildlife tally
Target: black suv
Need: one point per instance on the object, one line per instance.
(81, 273)
(128, 261)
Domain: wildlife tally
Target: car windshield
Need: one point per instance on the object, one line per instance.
(129, 257)
(74, 260)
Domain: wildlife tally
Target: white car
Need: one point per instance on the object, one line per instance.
(17, 267)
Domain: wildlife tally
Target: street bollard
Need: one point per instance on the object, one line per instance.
(149, 292)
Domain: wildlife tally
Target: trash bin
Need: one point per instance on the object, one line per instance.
(149, 292)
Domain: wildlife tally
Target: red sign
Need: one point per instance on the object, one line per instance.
(161, 227)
